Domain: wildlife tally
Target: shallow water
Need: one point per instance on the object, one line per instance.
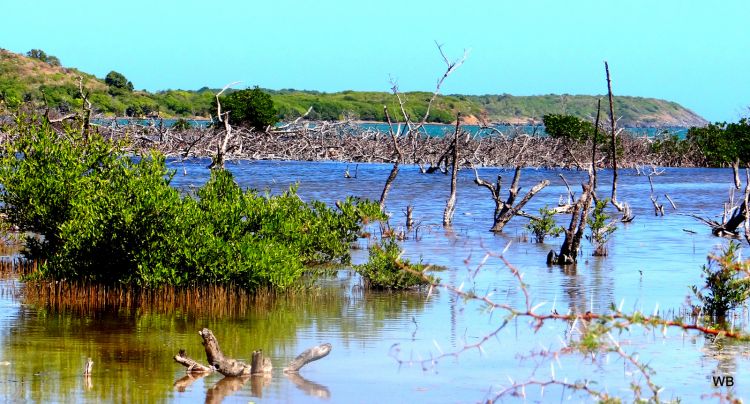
(382, 342)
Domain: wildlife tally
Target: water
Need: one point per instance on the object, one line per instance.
(382, 343)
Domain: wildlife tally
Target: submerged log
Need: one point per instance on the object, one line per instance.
(216, 358)
(233, 368)
(310, 355)
(191, 364)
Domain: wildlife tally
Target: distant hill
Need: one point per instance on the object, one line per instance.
(24, 78)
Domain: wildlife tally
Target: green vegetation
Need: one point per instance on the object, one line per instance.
(251, 108)
(568, 127)
(102, 216)
(601, 227)
(44, 57)
(36, 78)
(117, 83)
(544, 226)
(723, 143)
(727, 283)
(386, 270)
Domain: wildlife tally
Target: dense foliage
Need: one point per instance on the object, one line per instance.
(251, 107)
(99, 215)
(117, 83)
(385, 268)
(723, 143)
(727, 282)
(568, 127)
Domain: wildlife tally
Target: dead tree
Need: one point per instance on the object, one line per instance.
(223, 146)
(505, 210)
(658, 207)
(396, 162)
(574, 233)
(622, 207)
(450, 205)
(233, 368)
(412, 129)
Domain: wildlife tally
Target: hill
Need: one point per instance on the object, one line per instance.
(40, 80)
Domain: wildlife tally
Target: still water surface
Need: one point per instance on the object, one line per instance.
(652, 262)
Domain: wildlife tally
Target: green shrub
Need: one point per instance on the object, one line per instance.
(568, 127)
(727, 283)
(107, 217)
(544, 226)
(386, 270)
(252, 108)
(601, 227)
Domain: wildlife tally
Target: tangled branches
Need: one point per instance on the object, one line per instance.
(595, 337)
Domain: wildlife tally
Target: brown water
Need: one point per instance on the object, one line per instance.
(382, 343)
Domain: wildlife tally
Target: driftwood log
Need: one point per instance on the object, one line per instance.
(234, 368)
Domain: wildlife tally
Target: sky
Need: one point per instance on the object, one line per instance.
(696, 53)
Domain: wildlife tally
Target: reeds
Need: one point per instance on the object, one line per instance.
(213, 301)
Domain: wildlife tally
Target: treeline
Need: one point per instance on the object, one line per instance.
(40, 78)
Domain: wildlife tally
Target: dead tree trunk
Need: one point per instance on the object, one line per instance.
(223, 145)
(450, 205)
(226, 366)
(397, 161)
(504, 211)
(574, 233)
(622, 207)
(593, 146)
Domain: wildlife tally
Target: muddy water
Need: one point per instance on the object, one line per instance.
(387, 347)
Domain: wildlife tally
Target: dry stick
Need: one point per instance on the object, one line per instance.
(736, 172)
(450, 205)
(593, 146)
(571, 195)
(658, 208)
(671, 201)
(221, 149)
(86, 105)
(614, 140)
(397, 161)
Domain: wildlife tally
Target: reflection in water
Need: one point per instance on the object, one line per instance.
(227, 386)
(186, 381)
(309, 388)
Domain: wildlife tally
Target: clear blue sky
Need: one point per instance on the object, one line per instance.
(696, 53)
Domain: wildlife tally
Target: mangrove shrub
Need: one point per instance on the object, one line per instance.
(385, 269)
(98, 214)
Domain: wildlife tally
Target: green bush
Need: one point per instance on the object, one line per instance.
(727, 283)
(569, 127)
(544, 226)
(723, 143)
(386, 270)
(601, 227)
(103, 216)
(252, 108)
